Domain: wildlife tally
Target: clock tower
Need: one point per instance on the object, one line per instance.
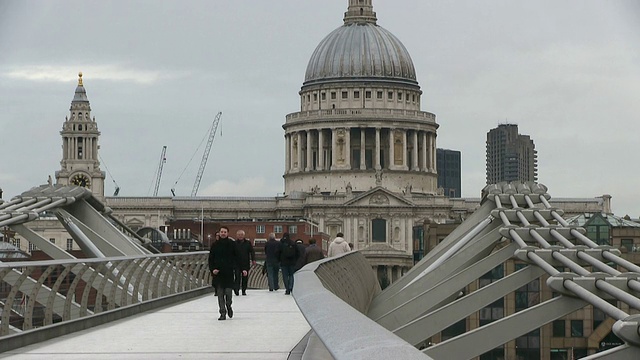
(80, 165)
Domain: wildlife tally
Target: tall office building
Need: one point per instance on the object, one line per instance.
(510, 156)
(448, 166)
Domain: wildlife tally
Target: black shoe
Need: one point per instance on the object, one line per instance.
(244, 293)
(237, 292)
(230, 312)
(223, 317)
(270, 289)
(287, 292)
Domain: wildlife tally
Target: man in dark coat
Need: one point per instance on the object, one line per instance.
(301, 250)
(272, 263)
(223, 261)
(247, 258)
(288, 255)
(312, 252)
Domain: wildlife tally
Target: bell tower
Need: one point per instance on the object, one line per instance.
(79, 164)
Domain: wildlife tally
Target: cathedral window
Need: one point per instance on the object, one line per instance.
(80, 127)
(308, 98)
(399, 96)
(345, 95)
(367, 94)
(413, 97)
(315, 97)
(333, 95)
(390, 95)
(378, 230)
(379, 95)
(356, 94)
(324, 96)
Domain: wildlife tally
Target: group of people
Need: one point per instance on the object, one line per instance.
(289, 256)
(230, 261)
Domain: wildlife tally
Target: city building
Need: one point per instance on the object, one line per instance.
(510, 156)
(448, 164)
(360, 159)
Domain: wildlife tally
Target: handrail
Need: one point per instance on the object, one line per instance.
(43, 293)
(346, 285)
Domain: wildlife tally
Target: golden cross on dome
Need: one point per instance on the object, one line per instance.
(80, 78)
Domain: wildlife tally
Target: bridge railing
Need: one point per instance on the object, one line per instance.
(40, 294)
(333, 295)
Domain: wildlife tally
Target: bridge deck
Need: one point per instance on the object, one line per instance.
(266, 325)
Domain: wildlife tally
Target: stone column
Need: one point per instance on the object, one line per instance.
(414, 153)
(389, 274)
(424, 152)
(300, 167)
(287, 153)
(392, 162)
(405, 148)
(376, 156)
(309, 166)
(363, 135)
(320, 150)
(433, 152)
(429, 165)
(333, 148)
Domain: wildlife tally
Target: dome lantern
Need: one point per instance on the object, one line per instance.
(360, 11)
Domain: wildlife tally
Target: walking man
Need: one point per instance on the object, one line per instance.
(223, 261)
(272, 263)
(247, 258)
(301, 249)
(312, 252)
(288, 255)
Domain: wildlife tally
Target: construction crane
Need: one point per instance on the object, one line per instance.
(205, 155)
(163, 159)
(117, 190)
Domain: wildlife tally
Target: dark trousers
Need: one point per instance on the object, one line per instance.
(287, 276)
(272, 275)
(225, 296)
(241, 280)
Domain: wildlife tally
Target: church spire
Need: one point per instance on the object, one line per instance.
(80, 163)
(359, 12)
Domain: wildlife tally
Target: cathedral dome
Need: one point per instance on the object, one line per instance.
(360, 50)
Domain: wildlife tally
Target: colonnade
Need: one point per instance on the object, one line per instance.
(393, 272)
(360, 148)
(72, 146)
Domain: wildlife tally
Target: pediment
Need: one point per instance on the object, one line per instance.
(134, 222)
(378, 196)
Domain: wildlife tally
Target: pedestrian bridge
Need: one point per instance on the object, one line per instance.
(340, 299)
(265, 326)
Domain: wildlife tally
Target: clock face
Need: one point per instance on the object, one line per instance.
(80, 180)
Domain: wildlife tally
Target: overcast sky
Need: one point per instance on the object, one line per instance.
(157, 72)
